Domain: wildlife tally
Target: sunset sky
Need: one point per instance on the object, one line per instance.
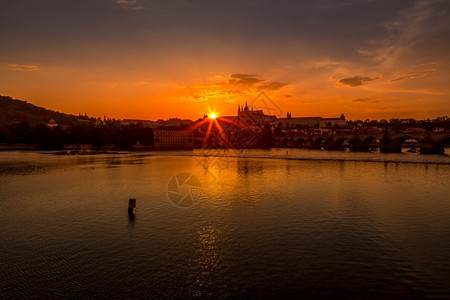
(152, 59)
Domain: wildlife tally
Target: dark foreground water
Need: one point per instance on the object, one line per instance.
(264, 225)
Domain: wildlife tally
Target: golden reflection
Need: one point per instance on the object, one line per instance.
(206, 261)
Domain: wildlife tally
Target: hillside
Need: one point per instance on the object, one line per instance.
(15, 111)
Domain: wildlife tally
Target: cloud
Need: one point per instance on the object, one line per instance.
(415, 24)
(211, 94)
(370, 99)
(244, 79)
(130, 4)
(341, 3)
(253, 81)
(27, 68)
(272, 86)
(232, 89)
(356, 81)
(414, 74)
(127, 2)
(325, 63)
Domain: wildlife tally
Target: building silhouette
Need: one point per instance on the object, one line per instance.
(249, 116)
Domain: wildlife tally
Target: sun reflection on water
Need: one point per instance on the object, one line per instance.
(206, 261)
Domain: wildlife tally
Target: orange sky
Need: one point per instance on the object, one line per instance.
(124, 60)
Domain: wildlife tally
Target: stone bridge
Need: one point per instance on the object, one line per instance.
(432, 143)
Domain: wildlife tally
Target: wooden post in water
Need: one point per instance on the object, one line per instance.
(131, 206)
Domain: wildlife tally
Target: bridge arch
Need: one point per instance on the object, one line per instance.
(319, 142)
(395, 144)
(354, 144)
(400, 140)
(340, 142)
(446, 141)
(370, 139)
(385, 142)
(410, 142)
(370, 143)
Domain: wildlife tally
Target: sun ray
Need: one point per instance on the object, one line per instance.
(198, 124)
(208, 133)
(233, 122)
(223, 135)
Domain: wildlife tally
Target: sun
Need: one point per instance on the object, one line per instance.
(213, 116)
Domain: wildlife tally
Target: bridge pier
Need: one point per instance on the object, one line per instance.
(364, 146)
(429, 147)
(331, 144)
(317, 144)
(391, 149)
(390, 146)
(354, 144)
(359, 147)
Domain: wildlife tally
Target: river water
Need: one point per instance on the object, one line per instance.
(253, 224)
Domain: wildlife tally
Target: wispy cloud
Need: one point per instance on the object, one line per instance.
(272, 86)
(413, 25)
(355, 81)
(334, 3)
(27, 68)
(244, 80)
(213, 94)
(126, 1)
(413, 74)
(370, 99)
(235, 88)
(325, 63)
(130, 4)
(253, 81)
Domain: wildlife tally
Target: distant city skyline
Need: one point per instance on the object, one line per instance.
(141, 59)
